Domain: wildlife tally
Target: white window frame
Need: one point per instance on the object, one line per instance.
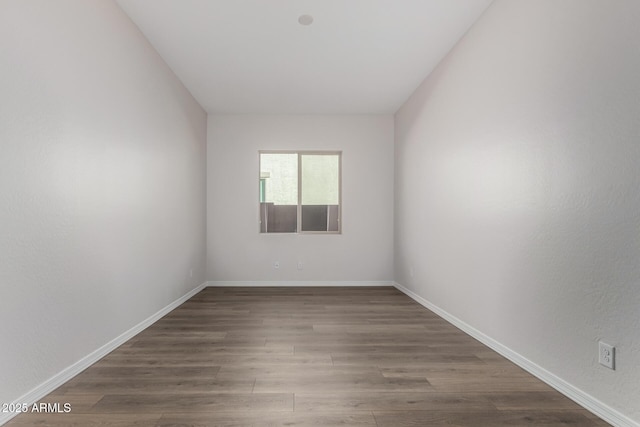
(301, 153)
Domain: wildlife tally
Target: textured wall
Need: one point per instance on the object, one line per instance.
(102, 185)
(236, 251)
(517, 187)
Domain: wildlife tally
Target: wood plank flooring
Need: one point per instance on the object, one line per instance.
(306, 357)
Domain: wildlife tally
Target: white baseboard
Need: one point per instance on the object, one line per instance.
(583, 399)
(287, 283)
(68, 373)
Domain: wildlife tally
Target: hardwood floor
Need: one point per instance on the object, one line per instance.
(306, 357)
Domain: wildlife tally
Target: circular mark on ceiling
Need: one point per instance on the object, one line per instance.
(305, 19)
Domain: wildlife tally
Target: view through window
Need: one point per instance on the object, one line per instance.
(300, 192)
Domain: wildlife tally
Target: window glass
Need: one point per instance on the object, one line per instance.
(279, 193)
(320, 190)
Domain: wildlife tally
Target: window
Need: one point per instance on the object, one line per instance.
(299, 191)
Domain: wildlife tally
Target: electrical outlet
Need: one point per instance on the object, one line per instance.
(191, 273)
(276, 264)
(300, 265)
(607, 355)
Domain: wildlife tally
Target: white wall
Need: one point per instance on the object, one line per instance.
(102, 185)
(236, 251)
(517, 188)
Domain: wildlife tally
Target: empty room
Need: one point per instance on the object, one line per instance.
(319, 213)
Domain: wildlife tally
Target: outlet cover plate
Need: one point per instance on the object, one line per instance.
(606, 355)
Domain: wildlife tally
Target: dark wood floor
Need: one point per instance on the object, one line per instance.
(306, 357)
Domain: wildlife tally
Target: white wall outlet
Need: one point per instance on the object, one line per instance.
(607, 355)
(276, 264)
(300, 265)
(191, 273)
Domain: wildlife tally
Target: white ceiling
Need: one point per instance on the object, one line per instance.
(252, 56)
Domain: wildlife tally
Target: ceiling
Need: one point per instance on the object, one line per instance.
(252, 56)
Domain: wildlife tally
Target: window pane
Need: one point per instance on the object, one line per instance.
(278, 192)
(320, 192)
